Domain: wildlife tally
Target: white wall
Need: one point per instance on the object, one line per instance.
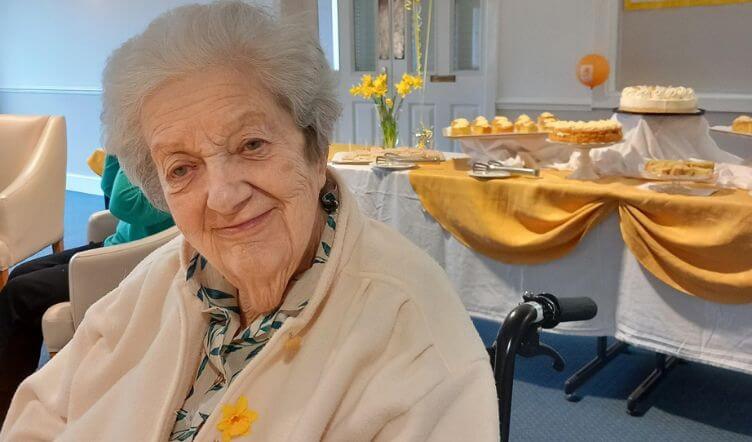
(51, 57)
(540, 42)
(709, 48)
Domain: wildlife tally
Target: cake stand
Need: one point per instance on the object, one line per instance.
(585, 169)
(694, 113)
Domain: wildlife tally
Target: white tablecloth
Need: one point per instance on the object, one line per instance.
(633, 305)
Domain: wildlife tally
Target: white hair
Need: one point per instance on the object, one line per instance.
(282, 53)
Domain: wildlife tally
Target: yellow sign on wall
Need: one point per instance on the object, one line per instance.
(631, 5)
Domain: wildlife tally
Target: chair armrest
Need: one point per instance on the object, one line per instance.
(101, 225)
(57, 326)
(31, 207)
(94, 273)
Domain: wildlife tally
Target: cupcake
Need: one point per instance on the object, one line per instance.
(480, 126)
(521, 121)
(544, 121)
(460, 126)
(501, 125)
(525, 125)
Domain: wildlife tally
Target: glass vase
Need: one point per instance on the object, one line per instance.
(389, 131)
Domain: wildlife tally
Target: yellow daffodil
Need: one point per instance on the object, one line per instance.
(367, 88)
(389, 103)
(366, 80)
(362, 91)
(415, 81)
(236, 419)
(408, 84)
(403, 88)
(380, 86)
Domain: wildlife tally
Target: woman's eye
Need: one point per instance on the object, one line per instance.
(179, 171)
(253, 144)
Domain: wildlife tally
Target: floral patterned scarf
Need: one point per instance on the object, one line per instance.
(227, 349)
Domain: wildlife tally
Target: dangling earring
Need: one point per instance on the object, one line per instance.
(329, 202)
(328, 197)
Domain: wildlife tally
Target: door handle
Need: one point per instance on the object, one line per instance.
(443, 78)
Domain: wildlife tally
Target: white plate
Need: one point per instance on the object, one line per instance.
(402, 165)
(679, 189)
(655, 113)
(727, 130)
(418, 159)
(489, 174)
(351, 162)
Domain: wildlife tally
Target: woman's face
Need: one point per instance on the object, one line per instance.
(232, 165)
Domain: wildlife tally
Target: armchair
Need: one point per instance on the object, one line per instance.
(33, 150)
(94, 273)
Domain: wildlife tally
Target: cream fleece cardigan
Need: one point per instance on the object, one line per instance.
(387, 352)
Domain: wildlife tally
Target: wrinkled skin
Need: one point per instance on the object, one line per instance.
(232, 166)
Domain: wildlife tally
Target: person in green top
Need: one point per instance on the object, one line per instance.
(36, 285)
(109, 172)
(138, 218)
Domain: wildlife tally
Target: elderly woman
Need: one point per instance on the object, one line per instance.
(281, 313)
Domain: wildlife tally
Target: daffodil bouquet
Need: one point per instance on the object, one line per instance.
(387, 105)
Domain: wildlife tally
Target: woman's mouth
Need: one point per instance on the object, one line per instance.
(245, 227)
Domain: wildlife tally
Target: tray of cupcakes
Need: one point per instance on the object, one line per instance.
(499, 127)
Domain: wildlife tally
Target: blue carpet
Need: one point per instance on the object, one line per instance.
(694, 403)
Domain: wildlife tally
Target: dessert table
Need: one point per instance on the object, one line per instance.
(634, 305)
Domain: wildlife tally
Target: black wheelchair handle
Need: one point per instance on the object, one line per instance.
(519, 334)
(552, 310)
(576, 309)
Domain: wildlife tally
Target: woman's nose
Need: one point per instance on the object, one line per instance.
(228, 190)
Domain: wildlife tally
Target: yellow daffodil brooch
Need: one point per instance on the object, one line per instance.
(236, 419)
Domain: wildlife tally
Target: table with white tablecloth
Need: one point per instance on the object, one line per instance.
(633, 305)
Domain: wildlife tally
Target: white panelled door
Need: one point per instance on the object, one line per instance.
(460, 64)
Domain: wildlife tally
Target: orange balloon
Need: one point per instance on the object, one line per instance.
(592, 70)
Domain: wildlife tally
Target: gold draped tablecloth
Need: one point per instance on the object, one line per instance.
(699, 245)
